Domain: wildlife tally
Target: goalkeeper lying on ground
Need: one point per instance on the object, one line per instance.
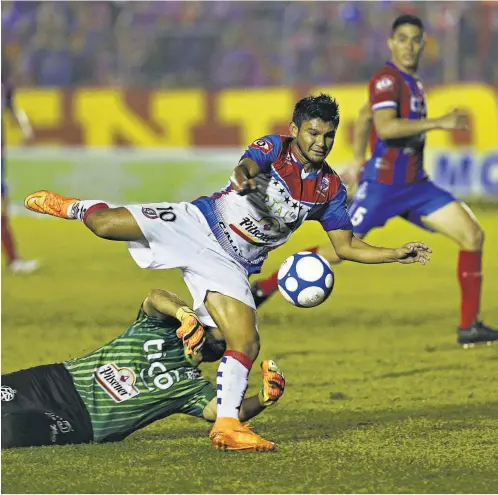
(147, 373)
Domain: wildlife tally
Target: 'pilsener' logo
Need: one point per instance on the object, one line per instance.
(118, 383)
(250, 231)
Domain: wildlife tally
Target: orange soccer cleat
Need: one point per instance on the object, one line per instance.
(231, 434)
(49, 203)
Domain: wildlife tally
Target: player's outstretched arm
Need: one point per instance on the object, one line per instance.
(242, 178)
(362, 128)
(350, 248)
(389, 126)
(162, 303)
(273, 388)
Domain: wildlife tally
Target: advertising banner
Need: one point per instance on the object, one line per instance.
(466, 162)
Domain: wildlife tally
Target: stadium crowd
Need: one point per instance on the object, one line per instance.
(236, 44)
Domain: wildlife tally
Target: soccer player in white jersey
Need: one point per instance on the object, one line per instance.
(218, 241)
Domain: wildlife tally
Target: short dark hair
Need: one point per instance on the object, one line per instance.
(322, 107)
(407, 19)
(213, 349)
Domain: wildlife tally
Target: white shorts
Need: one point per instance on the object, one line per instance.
(178, 236)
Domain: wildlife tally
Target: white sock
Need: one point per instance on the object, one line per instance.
(78, 209)
(231, 385)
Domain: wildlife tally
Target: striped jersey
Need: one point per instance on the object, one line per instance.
(250, 226)
(396, 161)
(141, 376)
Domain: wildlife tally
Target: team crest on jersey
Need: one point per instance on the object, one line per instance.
(263, 145)
(149, 213)
(384, 84)
(118, 383)
(324, 184)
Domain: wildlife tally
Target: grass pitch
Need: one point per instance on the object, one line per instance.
(379, 397)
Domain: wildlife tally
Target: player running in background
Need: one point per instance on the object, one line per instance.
(14, 263)
(393, 180)
(145, 374)
(217, 241)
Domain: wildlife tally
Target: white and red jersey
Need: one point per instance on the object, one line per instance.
(396, 161)
(250, 226)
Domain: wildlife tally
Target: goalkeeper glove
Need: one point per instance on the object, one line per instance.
(191, 330)
(273, 383)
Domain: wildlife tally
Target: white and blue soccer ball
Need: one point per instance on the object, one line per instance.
(305, 279)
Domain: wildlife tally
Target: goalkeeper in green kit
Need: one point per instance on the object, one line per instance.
(147, 373)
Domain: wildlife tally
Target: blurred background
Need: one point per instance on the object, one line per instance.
(238, 44)
(130, 85)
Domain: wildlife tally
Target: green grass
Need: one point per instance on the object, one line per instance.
(379, 397)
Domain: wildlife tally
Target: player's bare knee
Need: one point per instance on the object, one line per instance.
(247, 344)
(473, 239)
(478, 239)
(252, 349)
(100, 223)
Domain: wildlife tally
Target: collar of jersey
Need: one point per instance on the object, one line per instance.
(294, 159)
(402, 71)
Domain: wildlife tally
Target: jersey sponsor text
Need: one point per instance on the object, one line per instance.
(118, 383)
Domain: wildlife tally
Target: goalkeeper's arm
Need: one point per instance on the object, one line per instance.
(162, 303)
(273, 388)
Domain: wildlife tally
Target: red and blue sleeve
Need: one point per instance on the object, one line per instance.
(384, 90)
(336, 215)
(264, 151)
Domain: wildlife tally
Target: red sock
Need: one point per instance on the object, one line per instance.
(243, 359)
(8, 240)
(270, 284)
(470, 278)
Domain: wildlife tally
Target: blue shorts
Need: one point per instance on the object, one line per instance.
(374, 204)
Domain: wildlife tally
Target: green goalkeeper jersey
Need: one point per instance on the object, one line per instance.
(141, 376)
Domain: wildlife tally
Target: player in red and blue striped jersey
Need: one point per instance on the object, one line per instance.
(396, 160)
(393, 181)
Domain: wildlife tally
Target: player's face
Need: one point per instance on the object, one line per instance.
(406, 45)
(314, 139)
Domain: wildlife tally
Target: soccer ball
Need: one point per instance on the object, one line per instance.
(305, 279)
